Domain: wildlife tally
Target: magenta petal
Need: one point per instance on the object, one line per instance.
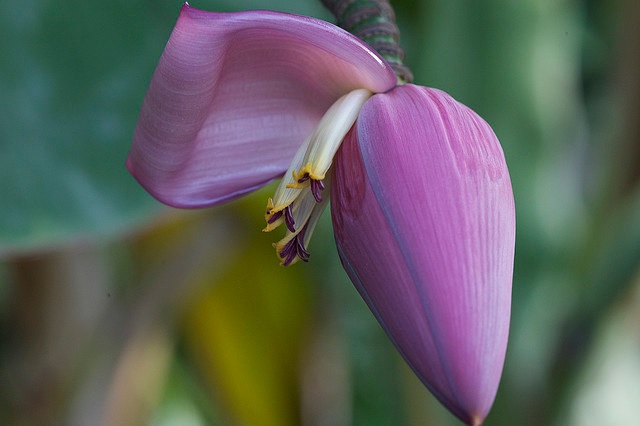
(235, 94)
(424, 218)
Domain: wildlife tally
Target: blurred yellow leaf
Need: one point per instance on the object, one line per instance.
(245, 328)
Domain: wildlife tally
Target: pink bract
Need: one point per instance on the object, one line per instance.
(424, 220)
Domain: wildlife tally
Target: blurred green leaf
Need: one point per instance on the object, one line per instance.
(72, 78)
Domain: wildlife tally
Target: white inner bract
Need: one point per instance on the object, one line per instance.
(301, 187)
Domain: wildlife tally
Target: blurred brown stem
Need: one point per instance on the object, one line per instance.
(58, 297)
(627, 86)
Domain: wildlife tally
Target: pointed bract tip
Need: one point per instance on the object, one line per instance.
(476, 420)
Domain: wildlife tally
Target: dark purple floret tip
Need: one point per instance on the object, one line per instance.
(288, 219)
(316, 187)
(274, 217)
(295, 248)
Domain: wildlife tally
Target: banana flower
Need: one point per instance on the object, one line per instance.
(421, 199)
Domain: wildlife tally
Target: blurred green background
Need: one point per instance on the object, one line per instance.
(116, 310)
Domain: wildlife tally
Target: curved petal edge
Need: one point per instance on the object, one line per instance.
(235, 94)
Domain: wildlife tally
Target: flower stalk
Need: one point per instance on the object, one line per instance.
(374, 22)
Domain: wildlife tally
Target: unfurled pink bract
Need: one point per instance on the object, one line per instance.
(420, 194)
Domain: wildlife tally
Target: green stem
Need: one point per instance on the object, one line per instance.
(374, 22)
